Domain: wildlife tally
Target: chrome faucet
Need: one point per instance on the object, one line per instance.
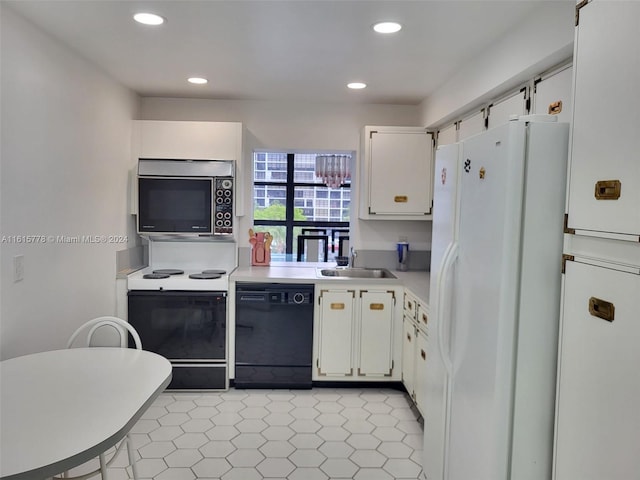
(352, 258)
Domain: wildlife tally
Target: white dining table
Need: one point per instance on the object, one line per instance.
(62, 408)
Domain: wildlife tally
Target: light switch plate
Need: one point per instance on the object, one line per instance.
(18, 268)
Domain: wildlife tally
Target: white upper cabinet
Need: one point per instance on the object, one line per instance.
(604, 187)
(396, 173)
(448, 135)
(501, 110)
(187, 140)
(552, 94)
(471, 125)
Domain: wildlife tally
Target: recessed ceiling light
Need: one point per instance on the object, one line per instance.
(356, 85)
(197, 80)
(387, 27)
(148, 18)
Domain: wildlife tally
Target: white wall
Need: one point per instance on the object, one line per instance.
(66, 133)
(543, 40)
(302, 126)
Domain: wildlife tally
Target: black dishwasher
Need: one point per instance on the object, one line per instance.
(274, 335)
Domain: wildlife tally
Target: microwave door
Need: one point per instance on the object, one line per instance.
(169, 205)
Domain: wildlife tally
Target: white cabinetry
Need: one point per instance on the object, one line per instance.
(512, 104)
(187, 140)
(414, 349)
(335, 332)
(376, 333)
(598, 422)
(182, 140)
(552, 94)
(395, 172)
(597, 414)
(604, 188)
(409, 342)
(471, 125)
(356, 335)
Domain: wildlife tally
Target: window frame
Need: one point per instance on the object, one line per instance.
(289, 223)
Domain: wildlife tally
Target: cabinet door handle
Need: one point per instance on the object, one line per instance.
(408, 336)
(602, 309)
(337, 306)
(376, 306)
(425, 319)
(608, 190)
(401, 199)
(555, 108)
(410, 305)
(423, 354)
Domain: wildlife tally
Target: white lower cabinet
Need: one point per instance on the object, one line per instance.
(376, 333)
(335, 332)
(356, 333)
(420, 382)
(598, 398)
(414, 349)
(409, 342)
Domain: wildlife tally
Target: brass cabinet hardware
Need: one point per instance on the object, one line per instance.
(578, 7)
(555, 108)
(608, 190)
(337, 306)
(322, 374)
(410, 305)
(570, 231)
(376, 306)
(401, 199)
(423, 354)
(566, 258)
(601, 309)
(425, 319)
(482, 173)
(360, 374)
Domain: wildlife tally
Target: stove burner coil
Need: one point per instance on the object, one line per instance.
(204, 276)
(155, 276)
(215, 271)
(169, 271)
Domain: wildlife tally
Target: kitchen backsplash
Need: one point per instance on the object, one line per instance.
(418, 259)
(131, 259)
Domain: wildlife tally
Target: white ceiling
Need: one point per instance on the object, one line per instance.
(304, 50)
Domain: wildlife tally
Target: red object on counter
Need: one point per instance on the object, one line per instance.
(260, 248)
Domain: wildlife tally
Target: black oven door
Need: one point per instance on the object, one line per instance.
(187, 328)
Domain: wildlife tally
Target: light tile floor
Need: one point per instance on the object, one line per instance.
(372, 434)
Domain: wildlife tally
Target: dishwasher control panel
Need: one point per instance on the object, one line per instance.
(292, 297)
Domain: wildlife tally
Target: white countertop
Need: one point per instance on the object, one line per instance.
(416, 281)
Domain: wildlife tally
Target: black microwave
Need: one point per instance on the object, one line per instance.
(201, 206)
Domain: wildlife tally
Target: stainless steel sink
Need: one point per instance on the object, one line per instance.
(356, 272)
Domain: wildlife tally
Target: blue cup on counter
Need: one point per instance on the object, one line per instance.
(403, 256)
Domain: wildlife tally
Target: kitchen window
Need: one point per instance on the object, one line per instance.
(289, 200)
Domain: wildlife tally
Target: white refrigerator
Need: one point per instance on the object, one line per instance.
(495, 290)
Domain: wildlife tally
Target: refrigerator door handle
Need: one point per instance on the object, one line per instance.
(449, 257)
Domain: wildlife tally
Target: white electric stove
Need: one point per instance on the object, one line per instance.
(196, 279)
(186, 266)
(178, 305)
